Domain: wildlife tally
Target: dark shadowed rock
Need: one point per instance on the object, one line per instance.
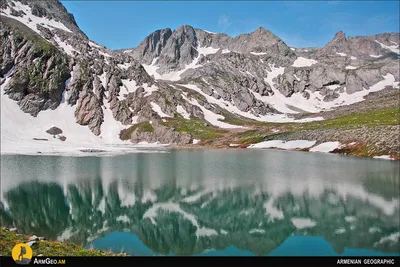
(54, 131)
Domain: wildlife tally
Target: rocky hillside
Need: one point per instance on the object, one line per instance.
(176, 87)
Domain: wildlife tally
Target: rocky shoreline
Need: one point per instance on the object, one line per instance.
(41, 247)
(350, 149)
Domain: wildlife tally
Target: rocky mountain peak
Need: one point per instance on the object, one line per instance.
(183, 34)
(264, 35)
(49, 9)
(184, 28)
(152, 45)
(260, 41)
(180, 49)
(45, 58)
(338, 46)
(339, 35)
(262, 30)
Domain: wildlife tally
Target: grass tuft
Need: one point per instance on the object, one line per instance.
(196, 128)
(47, 248)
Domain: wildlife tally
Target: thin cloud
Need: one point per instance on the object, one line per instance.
(224, 22)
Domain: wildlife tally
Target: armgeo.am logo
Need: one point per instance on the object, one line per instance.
(22, 254)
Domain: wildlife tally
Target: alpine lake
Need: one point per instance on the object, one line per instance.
(207, 202)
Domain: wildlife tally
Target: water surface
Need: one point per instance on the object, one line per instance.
(207, 202)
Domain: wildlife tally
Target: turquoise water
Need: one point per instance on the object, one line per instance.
(207, 202)
(292, 246)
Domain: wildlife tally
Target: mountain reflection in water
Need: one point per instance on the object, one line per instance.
(190, 202)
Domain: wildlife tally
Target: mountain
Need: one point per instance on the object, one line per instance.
(179, 86)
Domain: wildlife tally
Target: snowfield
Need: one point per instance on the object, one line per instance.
(277, 98)
(314, 103)
(325, 147)
(209, 32)
(182, 112)
(158, 110)
(31, 20)
(383, 157)
(19, 131)
(66, 47)
(213, 118)
(258, 54)
(176, 75)
(392, 48)
(296, 144)
(304, 62)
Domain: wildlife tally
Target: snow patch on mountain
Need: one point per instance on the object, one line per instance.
(182, 112)
(209, 32)
(325, 147)
(383, 157)
(304, 62)
(176, 75)
(65, 47)
(158, 110)
(296, 144)
(258, 53)
(333, 86)
(196, 141)
(92, 44)
(392, 48)
(124, 66)
(315, 103)
(207, 50)
(31, 20)
(104, 54)
(16, 139)
(228, 106)
(149, 89)
(128, 86)
(211, 117)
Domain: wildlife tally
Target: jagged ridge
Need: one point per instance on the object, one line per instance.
(183, 74)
